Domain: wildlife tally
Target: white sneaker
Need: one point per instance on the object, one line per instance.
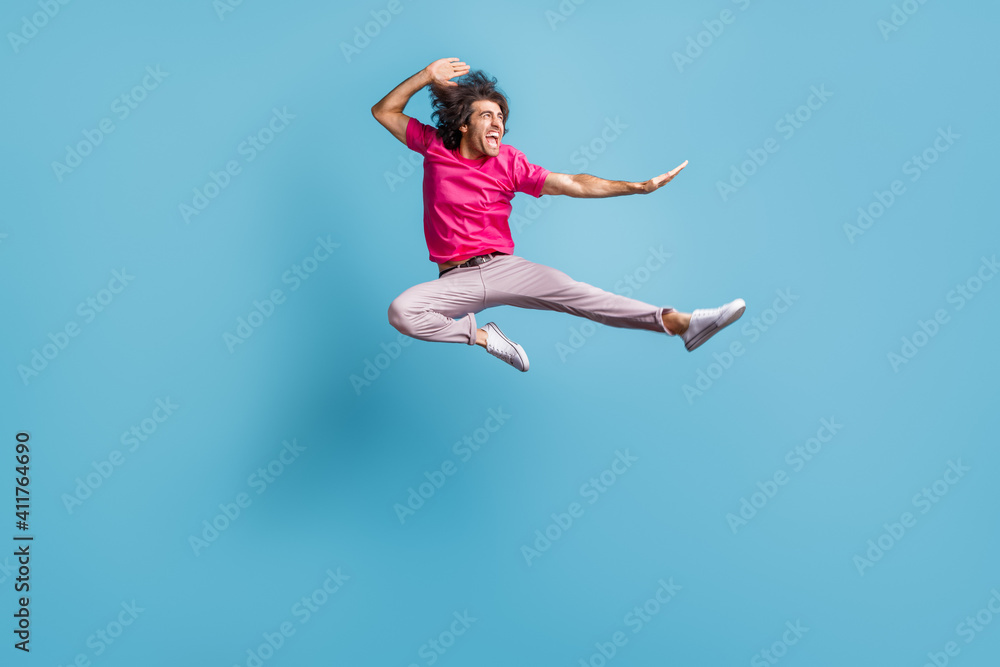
(707, 322)
(504, 348)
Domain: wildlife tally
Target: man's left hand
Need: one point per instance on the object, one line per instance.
(654, 184)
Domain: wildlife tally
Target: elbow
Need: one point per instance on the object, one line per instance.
(574, 188)
(580, 186)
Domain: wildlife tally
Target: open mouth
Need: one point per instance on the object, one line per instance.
(493, 139)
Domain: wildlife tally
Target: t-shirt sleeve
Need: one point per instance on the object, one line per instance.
(418, 135)
(528, 178)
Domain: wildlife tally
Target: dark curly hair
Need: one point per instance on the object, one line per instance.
(453, 104)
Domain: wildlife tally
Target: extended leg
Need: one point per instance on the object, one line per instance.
(514, 281)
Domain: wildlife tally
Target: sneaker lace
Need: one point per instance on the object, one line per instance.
(504, 354)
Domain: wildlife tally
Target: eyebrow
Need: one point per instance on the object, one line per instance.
(499, 113)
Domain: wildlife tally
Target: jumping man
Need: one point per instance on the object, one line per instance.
(470, 177)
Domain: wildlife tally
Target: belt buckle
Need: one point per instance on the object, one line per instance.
(482, 259)
(475, 261)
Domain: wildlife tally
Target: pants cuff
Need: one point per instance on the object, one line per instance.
(472, 328)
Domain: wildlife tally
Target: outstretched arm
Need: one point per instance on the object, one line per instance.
(585, 185)
(389, 110)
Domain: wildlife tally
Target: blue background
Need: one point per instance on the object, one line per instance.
(363, 446)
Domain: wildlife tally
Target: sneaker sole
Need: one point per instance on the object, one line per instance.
(520, 350)
(701, 338)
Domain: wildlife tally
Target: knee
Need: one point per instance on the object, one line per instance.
(399, 316)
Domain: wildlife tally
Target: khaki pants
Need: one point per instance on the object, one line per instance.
(443, 310)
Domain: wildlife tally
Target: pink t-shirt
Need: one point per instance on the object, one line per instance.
(467, 202)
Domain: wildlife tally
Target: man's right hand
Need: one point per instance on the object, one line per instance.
(443, 70)
(389, 110)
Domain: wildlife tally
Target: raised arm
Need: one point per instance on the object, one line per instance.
(585, 185)
(389, 110)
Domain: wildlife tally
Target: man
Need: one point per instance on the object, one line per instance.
(470, 177)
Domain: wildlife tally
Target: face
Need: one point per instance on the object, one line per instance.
(481, 136)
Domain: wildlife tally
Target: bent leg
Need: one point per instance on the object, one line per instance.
(514, 281)
(428, 311)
